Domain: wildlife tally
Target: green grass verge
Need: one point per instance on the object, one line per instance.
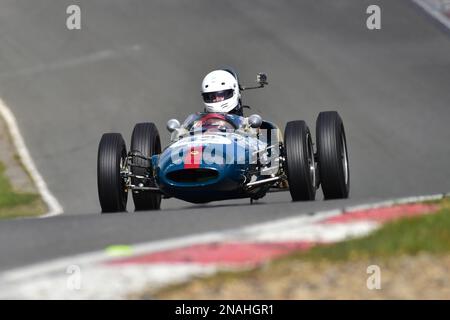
(408, 236)
(17, 204)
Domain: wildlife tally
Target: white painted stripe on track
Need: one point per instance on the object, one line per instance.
(434, 8)
(54, 207)
(393, 202)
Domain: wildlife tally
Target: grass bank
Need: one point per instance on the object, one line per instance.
(15, 204)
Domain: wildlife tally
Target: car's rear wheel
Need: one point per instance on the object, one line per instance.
(332, 156)
(111, 158)
(299, 160)
(146, 142)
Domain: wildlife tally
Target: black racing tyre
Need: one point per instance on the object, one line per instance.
(332, 156)
(112, 191)
(146, 142)
(299, 160)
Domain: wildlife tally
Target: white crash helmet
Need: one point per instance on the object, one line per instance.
(220, 92)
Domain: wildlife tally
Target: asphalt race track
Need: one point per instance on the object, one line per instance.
(136, 61)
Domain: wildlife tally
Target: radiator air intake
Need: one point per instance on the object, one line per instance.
(193, 175)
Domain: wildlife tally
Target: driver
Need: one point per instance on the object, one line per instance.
(220, 92)
(221, 95)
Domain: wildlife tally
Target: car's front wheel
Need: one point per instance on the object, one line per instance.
(145, 141)
(299, 161)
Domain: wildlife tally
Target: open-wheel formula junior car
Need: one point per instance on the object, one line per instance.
(219, 156)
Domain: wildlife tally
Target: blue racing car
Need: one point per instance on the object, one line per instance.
(218, 156)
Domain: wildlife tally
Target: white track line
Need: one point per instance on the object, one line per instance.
(54, 207)
(435, 9)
